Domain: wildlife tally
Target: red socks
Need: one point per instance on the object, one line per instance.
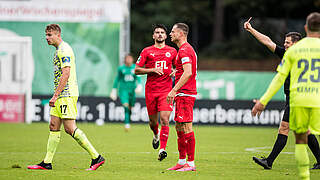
(190, 145)
(155, 129)
(164, 134)
(181, 145)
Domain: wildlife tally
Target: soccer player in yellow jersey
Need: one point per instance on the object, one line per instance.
(64, 101)
(302, 61)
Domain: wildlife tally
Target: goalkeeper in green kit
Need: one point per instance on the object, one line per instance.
(128, 85)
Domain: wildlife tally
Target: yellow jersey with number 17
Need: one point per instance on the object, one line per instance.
(302, 60)
(64, 57)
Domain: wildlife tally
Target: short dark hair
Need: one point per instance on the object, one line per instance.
(53, 27)
(156, 26)
(313, 22)
(184, 27)
(127, 55)
(295, 36)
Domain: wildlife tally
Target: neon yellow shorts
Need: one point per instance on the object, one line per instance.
(65, 108)
(302, 119)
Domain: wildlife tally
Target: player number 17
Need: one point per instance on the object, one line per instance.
(63, 108)
(305, 62)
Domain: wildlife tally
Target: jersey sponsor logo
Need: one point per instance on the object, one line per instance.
(168, 54)
(128, 77)
(152, 54)
(161, 64)
(65, 59)
(306, 89)
(185, 59)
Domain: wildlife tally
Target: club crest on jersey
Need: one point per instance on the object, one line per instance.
(168, 54)
(65, 59)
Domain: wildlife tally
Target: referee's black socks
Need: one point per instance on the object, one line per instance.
(314, 146)
(277, 148)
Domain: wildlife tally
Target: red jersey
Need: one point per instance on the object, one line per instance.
(185, 55)
(152, 57)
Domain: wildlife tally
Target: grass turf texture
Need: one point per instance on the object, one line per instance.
(221, 153)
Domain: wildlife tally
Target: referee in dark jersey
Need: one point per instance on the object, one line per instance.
(291, 38)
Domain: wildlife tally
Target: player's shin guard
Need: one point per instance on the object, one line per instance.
(164, 134)
(127, 114)
(190, 145)
(53, 141)
(302, 160)
(181, 145)
(83, 141)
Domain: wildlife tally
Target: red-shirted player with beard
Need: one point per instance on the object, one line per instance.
(184, 94)
(156, 61)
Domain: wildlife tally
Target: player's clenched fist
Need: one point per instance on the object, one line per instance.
(52, 101)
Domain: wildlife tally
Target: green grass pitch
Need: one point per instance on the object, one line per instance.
(221, 153)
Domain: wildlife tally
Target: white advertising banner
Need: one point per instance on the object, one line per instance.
(62, 11)
(16, 74)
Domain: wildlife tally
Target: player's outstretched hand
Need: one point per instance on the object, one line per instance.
(257, 108)
(113, 94)
(158, 71)
(247, 25)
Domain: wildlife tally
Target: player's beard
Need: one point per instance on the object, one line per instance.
(160, 41)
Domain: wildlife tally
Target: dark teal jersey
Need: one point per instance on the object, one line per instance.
(126, 78)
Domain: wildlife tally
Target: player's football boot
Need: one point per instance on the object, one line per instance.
(176, 167)
(126, 127)
(42, 165)
(162, 154)
(187, 167)
(316, 166)
(155, 141)
(95, 163)
(262, 162)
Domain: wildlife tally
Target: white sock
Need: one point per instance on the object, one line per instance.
(161, 150)
(157, 136)
(182, 161)
(191, 163)
(127, 126)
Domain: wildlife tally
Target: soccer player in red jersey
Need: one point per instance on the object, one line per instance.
(156, 61)
(184, 94)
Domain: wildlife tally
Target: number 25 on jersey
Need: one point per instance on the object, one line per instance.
(303, 63)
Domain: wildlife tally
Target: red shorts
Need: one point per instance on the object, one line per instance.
(184, 108)
(157, 102)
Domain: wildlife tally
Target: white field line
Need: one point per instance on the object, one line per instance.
(263, 150)
(246, 151)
